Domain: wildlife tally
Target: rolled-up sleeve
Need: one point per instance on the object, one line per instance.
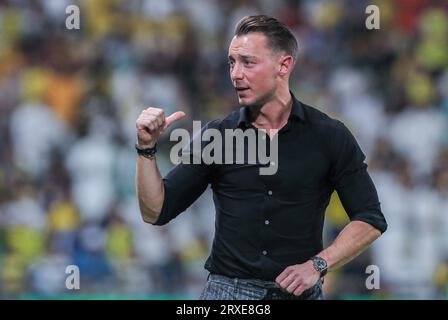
(184, 184)
(352, 182)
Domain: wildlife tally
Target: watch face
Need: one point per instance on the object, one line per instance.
(320, 263)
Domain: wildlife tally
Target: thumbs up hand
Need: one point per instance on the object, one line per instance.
(152, 123)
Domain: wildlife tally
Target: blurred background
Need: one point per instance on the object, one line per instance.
(69, 100)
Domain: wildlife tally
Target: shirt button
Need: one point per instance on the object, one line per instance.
(266, 222)
(270, 192)
(264, 252)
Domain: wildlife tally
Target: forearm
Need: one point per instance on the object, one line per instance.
(350, 242)
(150, 189)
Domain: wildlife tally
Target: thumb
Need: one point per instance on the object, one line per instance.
(173, 118)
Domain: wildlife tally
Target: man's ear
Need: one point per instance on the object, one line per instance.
(286, 64)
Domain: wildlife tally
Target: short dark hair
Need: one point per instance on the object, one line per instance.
(280, 38)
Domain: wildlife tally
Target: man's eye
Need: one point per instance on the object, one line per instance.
(248, 63)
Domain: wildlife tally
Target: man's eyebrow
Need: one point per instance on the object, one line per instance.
(242, 56)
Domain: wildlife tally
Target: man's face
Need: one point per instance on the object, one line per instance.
(254, 69)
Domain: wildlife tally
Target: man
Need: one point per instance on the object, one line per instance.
(268, 232)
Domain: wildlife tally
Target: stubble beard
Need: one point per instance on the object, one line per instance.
(261, 101)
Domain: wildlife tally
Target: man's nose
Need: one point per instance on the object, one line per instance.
(237, 72)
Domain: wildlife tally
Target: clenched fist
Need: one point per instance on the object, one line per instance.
(152, 123)
(298, 278)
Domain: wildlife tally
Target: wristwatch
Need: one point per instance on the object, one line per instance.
(320, 264)
(146, 152)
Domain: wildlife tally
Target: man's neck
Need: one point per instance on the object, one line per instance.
(274, 114)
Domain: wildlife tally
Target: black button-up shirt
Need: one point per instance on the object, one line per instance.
(265, 223)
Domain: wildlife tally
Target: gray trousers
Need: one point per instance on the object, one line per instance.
(224, 288)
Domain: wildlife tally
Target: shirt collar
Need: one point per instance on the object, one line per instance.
(297, 112)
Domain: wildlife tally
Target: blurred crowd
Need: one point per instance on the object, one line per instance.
(69, 100)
